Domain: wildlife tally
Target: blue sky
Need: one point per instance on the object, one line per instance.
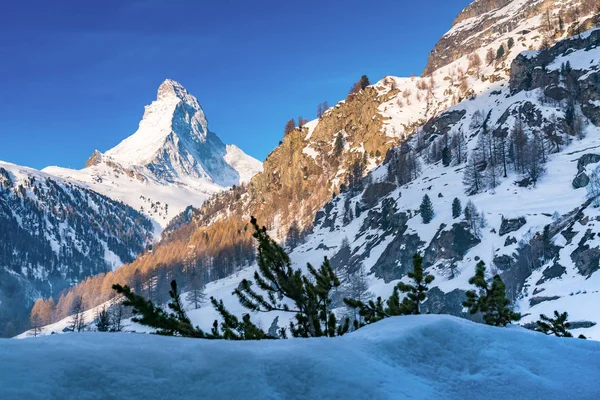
(77, 74)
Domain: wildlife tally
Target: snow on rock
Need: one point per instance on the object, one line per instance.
(411, 357)
(172, 161)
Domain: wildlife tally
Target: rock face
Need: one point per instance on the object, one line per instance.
(581, 180)
(511, 225)
(450, 244)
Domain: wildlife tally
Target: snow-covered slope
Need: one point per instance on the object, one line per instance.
(412, 357)
(172, 161)
(53, 234)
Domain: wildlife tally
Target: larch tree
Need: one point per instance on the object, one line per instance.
(289, 126)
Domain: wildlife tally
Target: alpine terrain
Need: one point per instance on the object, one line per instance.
(61, 226)
(471, 191)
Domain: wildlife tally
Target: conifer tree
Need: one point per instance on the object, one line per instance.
(103, 320)
(500, 52)
(416, 292)
(172, 323)
(277, 282)
(557, 326)
(491, 300)
(376, 310)
(456, 208)
(426, 209)
(446, 156)
(338, 145)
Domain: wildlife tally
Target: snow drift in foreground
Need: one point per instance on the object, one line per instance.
(411, 357)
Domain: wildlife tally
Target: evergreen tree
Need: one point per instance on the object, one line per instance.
(446, 156)
(426, 209)
(500, 52)
(103, 320)
(557, 326)
(456, 208)
(364, 82)
(338, 145)
(376, 310)
(416, 292)
(277, 280)
(491, 300)
(172, 323)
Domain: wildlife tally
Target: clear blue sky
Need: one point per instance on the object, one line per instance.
(75, 75)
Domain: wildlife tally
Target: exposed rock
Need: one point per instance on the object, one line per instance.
(555, 271)
(511, 225)
(439, 302)
(375, 192)
(540, 299)
(510, 240)
(396, 260)
(582, 324)
(95, 159)
(450, 244)
(581, 180)
(504, 262)
(586, 160)
(586, 259)
(528, 73)
(441, 124)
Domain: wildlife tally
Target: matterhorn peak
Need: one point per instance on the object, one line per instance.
(171, 89)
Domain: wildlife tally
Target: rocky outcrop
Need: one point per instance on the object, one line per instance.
(555, 271)
(450, 244)
(396, 260)
(439, 302)
(540, 299)
(441, 124)
(95, 159)
(511, 225)
(586, 258)
(529, 71)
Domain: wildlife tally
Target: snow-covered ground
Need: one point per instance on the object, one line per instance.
(411, 357)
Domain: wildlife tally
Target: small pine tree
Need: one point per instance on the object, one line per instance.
(491, 300)
(376, 310)
(309, 297)
(426, 209)
(557, 326)
(511, 43)
(103, 320)
(416, 293)
(456, 208)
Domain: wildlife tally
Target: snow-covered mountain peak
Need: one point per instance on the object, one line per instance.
(172, 161)
(170, 89)
(175, 114)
